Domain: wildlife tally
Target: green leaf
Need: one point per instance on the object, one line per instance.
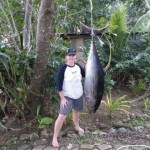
(96, 132)
(46, 121)
(41, 126)
(39, 117)
(38, 110)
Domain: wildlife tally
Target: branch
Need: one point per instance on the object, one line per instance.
(141, 97)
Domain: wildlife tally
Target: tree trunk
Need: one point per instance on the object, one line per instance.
(27, 24)
(42, 47)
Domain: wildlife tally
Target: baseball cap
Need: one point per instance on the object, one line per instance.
(71, 51)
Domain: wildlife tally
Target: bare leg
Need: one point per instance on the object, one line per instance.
(76, 121)
(58, 125)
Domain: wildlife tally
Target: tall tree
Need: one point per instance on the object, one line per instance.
(42, 47)
(27, 24)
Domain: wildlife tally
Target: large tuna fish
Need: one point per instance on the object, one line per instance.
(94, 77)
(94, 80)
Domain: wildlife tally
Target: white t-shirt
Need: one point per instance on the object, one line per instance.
(69, 80)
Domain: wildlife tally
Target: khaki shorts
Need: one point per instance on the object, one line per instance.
(76, 104)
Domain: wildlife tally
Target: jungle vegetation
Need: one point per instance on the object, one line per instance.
(31, 48)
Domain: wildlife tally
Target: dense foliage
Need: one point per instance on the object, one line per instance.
(130, 45)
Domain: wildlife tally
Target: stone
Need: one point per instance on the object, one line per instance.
(24, 137)
(24, 147)
(34, 137)
(104, 147)
(49, 148)
(44, 134)
(122, 130)
(112, 131)
(40, 142)
(147, 126)
(86, 146)
(39, 147)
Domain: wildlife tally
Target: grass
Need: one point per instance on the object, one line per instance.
(140, 121)
(113, 105)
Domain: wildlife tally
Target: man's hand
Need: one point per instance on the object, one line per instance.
(63, 103)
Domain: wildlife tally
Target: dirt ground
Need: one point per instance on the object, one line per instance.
(101, 121)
